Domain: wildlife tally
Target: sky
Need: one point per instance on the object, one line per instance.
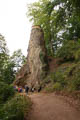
(14, 24)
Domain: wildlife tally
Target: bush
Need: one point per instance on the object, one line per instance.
(15, 109)
(74, 84)
(77, 55)
(69, 50)
(49, 89)
(57, 87)
(65, 79)
(6, 92)
(60, 77)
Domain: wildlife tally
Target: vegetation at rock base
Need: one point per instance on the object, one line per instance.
(66, 79)
(12, 106)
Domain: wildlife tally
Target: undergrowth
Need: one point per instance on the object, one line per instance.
(16, 108)
(65, 78)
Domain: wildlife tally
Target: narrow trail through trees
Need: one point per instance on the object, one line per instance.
(51, 107)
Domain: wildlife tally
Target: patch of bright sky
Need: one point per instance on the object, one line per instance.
(14, 24)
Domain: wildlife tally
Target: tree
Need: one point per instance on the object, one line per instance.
(4, 56)
(60, 20)
(6, 72)
(18, 59)
(9, 73)
(9, 65)
(40, 14)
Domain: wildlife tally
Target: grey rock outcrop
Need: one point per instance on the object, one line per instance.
(35, 69)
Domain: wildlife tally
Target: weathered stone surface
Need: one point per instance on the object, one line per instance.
(33, 72)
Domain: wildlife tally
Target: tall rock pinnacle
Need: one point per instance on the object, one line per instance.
(36, 67)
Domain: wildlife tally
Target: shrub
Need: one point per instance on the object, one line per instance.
(6, 92)
(69, 50)
(65, 79)
(49, 89)
(74, 84)
(57, 87)
(77, 55)
(60, 77)
(15, 109)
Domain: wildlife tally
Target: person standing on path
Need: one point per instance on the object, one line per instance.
(26, 89)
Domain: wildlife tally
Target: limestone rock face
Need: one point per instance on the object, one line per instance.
(36, 67)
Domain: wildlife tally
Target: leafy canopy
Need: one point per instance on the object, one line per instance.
(60, 20)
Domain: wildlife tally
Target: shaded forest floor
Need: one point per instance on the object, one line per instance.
(51, 107)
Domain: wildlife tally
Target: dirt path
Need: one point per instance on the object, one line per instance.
(51, 107)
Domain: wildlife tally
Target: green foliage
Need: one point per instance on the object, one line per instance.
(74, 85)
(6, 92)
(47, 80)
(59, 19)
(9, 73)
(9, 65)
(69, 51)
(65, 78)
(59, 77)
(3, 56)
(3, 45)
(16, 108)
(18, 59)
(49, 89)
(10, 107)
(39, 12)
(55, 87)
(77, 55)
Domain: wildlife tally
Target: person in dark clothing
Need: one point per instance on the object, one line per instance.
(26, 89)
(39, 89)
